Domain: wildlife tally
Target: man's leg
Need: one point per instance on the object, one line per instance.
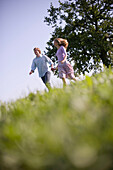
(47, 80)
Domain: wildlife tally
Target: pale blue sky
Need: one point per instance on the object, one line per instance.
(22, 28)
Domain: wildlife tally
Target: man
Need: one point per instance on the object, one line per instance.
(41, 63)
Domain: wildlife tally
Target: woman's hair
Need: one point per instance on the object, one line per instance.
(62, 42)
(38, 49)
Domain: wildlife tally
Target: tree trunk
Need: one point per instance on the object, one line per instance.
(105, 58)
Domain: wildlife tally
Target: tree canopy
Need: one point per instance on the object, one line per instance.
(88, 27)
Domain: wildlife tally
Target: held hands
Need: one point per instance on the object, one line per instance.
(53, 69)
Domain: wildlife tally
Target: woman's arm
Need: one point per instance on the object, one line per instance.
(64, 54)
(63, 60)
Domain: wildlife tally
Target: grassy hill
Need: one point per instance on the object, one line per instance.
(65, 129)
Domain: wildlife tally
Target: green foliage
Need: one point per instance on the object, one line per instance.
(88, 27)
(65, 129)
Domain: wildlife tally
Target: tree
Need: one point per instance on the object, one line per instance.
(88, 27)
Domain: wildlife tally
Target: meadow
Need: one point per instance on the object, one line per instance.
(69, 128)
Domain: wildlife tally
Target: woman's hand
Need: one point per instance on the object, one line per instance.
(62, 61)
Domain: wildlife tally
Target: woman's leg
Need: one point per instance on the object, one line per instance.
(64, 82)
(74, 79)
(72, 76)
(69, 71)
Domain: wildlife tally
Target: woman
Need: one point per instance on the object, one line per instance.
(64, 67)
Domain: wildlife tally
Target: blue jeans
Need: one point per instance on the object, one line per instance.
(46, 79)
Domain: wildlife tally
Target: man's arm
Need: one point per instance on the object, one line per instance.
(33, 67)
(49, 60)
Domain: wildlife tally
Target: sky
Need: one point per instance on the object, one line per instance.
(22, 28)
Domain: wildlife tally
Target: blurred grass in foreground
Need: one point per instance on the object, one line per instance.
(65, 129)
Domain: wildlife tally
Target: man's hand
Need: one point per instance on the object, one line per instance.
(31, 72)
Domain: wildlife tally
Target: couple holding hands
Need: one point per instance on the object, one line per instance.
(64, 67)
